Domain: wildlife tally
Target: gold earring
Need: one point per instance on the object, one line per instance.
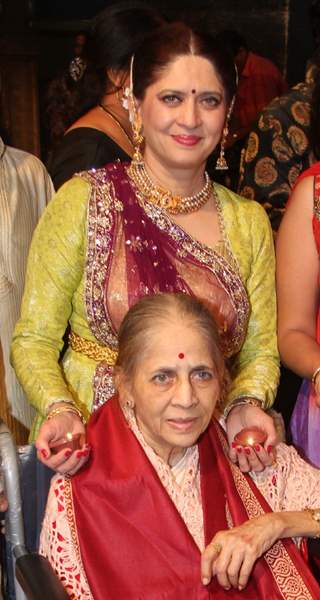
(137, 139)
(221, 164)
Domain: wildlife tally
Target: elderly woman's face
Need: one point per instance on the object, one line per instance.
(174, 389)
(183, 113)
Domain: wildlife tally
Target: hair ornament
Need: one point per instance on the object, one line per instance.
(125, 98)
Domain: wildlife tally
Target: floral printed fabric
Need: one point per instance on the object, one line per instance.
(277, 151)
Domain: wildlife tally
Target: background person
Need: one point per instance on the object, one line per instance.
(25, 190)
(88, 116)
(298, 244)
(116, 234)
(259, 82)
(200, 528)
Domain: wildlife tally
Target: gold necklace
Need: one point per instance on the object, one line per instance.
(117, 122)
(162, 198)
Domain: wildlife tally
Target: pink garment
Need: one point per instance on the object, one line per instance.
(290, 484)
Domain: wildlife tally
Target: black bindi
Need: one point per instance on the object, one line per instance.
(193, 91)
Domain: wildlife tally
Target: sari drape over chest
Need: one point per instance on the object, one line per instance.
(135, 249)
(305, 421)
(98, 248)
(135, 545)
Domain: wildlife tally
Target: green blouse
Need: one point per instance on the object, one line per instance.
(54, 296)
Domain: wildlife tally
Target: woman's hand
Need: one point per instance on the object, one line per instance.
(251, 459)
(54, 430)
(232, 553)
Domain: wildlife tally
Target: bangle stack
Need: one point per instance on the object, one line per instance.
(69, 407)
(315, 375)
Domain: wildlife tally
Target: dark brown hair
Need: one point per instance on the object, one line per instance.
(135, 333)
(178, 39)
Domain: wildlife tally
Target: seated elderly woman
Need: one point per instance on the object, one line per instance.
(159, 511)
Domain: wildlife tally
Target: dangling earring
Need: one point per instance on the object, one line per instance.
(138, 140)
(136, 124)
(221, 164)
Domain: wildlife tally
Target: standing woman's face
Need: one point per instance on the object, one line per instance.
(183, 113)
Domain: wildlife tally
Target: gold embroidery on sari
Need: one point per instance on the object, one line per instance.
(73, 529)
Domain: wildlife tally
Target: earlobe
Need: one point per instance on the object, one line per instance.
(123, 388)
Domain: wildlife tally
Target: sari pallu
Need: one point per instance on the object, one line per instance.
(133, 542)
(305, 421)
(135, 249)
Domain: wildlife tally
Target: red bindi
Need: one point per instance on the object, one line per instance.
(181, 355)
(193, 91)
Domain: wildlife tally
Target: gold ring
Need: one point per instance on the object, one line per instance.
(217, 548)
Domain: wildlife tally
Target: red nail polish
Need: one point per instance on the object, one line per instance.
(239, 449)
(68, 453)
(233, 445)
(269, 449)
(85, 452)
(247, 451)
(257, 448)
(44, 453)
(80, 453)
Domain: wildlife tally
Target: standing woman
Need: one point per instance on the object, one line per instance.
(116, 234)
(89, 116)
(298, 249)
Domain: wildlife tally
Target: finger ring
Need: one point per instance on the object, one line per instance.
(217, 548)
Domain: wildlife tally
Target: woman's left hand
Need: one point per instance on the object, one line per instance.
(251, 459)
(232, 553)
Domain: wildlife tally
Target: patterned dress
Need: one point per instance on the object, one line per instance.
(277, 151)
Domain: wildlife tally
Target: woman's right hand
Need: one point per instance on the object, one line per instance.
(54, 430)
(232, 553)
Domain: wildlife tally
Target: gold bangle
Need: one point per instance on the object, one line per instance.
(315, 515)
(315, 375)
(61, 409)
(247, 401)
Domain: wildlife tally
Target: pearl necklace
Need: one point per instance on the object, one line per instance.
(164, 199)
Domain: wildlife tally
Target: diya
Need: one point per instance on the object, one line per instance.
(72, 441)
(250, 436)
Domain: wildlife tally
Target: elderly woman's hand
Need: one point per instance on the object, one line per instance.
(259, 457)
(55, 430)
(232, 553)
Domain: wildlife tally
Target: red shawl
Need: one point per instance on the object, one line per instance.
(134, 544)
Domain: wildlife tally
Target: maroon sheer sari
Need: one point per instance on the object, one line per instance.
(134, 249)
